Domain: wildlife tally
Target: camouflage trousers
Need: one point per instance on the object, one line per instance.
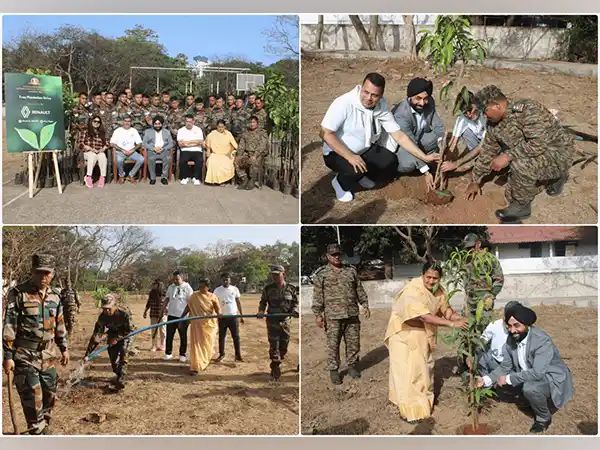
(247, 165)
(278, 333)
(118, 358)
(349, 330)
(527, 176)
(70, 315)
(37, 390)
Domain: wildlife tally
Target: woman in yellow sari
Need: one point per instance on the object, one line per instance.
(419, 308)
(202, 331)
(220, 153)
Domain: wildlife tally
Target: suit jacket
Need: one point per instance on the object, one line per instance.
(544, 362)
(149, 141)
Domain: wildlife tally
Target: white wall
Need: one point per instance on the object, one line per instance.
(503, 42)
(533, 281)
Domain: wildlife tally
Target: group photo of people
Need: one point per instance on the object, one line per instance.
(167, 323)
(136, 104)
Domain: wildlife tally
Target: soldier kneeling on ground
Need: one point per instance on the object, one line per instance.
(115, 322)
(524, 136)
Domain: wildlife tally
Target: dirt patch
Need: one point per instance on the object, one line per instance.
(362, 406)
(402, 201)
(161, 398)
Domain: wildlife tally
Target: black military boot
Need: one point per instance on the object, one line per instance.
(335, 377)
(249, 184)
(353, 372)
(556, 188)
(243, 182)
(275, 371)
(120, 381)
(539, 427)
(514, 212)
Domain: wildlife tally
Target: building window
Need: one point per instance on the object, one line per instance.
(560, 248)
(535, 248)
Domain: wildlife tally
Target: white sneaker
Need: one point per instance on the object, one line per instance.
(366, 182)
(182, 359)
(342, 195)
(185, 181)
(196, 182)
(168, 357)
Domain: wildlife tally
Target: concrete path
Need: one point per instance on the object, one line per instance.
(145, 204)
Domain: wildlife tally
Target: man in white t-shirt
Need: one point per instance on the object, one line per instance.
(229, 300)
(126, 141)
(350, 130)
(177, 297)
(191, 140)
(470, 125)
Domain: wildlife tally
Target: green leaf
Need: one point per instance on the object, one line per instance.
(29, 137)
(46, 134)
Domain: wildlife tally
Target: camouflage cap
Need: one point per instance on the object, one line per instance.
(42, 262)
(470, 240)
(488, 94)
(276, 268)
(108, 300)
(332, 249)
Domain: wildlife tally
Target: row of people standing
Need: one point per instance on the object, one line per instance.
(179, 300)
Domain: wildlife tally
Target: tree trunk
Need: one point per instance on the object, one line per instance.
(411, 35)
(365, 43)
(373, 31)
(320, 26)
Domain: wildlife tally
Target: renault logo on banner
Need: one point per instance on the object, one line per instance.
(25, 111)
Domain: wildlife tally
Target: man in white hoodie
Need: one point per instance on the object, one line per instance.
(350, 129)
(177, 296)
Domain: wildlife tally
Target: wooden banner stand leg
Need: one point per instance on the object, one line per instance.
(30, 173)
(57, 172)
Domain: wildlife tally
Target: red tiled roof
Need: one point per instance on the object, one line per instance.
(517, 234)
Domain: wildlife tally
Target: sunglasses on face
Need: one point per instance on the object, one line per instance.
(95, 121)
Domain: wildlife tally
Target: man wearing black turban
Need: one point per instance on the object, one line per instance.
(158, 144)
(531, 362)
(417, 118)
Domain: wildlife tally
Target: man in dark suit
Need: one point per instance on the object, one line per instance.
(532, 363)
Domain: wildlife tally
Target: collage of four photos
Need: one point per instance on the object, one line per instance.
(283, 225)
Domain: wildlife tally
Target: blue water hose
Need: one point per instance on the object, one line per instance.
(97, 352)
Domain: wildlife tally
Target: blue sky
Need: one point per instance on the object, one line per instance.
(210, 36)
(201, 236)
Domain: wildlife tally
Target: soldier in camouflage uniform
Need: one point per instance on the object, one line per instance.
(212, 101)
(260, 112)
(231, 103)
(190, 104)
(138, 114)
(200, 116)
(33, 328)
(338, 293)
(176, 118)
(166, 101)
(80, 115)
(114, 321)
(218, 112)
(71, 306)
(278, 297)
(155, 109)
(526, 137)
(111, 115)
(477, 288)
(252, 150)
(240, 117)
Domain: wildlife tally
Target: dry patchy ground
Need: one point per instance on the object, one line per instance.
(161, 398)
(362, 406)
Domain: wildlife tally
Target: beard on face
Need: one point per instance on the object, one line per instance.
(417, 108)
(518, 337)
(158, 128)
